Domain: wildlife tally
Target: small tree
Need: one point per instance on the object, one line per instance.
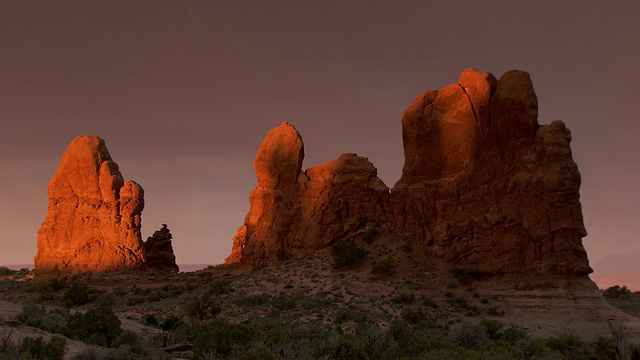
(98, 326)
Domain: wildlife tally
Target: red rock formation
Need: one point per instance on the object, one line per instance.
(491, 190)
(483, 186)
(295, 212)
(94, 217)
(158, 251)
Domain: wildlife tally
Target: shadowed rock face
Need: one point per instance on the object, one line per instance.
(490, 189)
(158, 251)
(94, 217)
(483, 186)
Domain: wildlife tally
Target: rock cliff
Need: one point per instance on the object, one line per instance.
(94, 216)
(483, 186)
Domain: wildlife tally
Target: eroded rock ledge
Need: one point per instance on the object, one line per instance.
(483, 185)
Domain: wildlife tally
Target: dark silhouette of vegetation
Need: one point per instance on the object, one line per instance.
(37, 348)
(346, 253)
(385, 266)
(370, 235)
(76, 295)
(616, 292)
(99, 325)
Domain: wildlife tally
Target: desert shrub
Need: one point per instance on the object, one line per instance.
(47, 289)
(76, 295)
(174, 290)
(464, 275)
(98, 326)
(38, 317)
(37, 348)
(4, 271)
(221, 338)
(384, 266)
(404, 297)
(346, 253)
(491, 328)
(348, 348)
(253, 300)
(430, 303)
(127, 338)
(134, 299)
(151, 321)
(370, 235)
(203, 306)
(605, 348)
(471, 337)
(616, 292)
(170, 325)
(495, 311)
(220, 287)
(413, 315)
(568, 347)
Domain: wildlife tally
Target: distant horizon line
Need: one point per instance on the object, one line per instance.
(31, 265)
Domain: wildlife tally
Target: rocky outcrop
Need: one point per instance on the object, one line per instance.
(483, 186)
(158, 251)
(294, 212)
(94, 216)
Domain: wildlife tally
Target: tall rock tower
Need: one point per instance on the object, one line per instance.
(94, 217)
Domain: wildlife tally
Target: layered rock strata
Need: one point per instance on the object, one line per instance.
(94, 216)
(483, 186)
(158, 251)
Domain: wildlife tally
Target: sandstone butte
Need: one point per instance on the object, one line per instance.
(483, 186)
(94, 217)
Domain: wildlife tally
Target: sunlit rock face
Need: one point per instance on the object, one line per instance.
(483, 186)
(294, 212)
(94, 216)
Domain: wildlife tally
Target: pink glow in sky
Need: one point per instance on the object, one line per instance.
(184, 91)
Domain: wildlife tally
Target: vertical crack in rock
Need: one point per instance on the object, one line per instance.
(475, 115)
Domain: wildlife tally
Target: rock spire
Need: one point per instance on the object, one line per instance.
(94, 216)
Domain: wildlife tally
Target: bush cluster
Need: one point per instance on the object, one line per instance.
(488, 339)
(99, 325)
(616, 292)
(385, 266)
(346, 253)
(33, 348)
